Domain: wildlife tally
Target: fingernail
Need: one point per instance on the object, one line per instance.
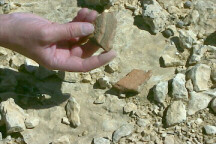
(87, 28)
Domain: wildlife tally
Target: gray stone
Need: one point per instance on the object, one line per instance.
(213, 105)
(187, 39)
(178, 86)
(168, 33)
(105, 29)
(188, 4)
(198, 101)
(213, 73)
(198, 52)
(180, 24)
(210, 130)
(189, 85)
(104, 82)
(123, 131)
(72, 111)
(2, 2)
(176, 113)
(155, 16)
(101, 140)
(130, 107)
(170, 61)
(142, 122)
(200, 75)
(13, 116)
(170, 139)
(160, 92)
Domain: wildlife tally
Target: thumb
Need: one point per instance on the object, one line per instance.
(68, 31)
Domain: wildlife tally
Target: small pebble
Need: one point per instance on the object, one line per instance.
(188, 4)
(168, 33)
(180, 24)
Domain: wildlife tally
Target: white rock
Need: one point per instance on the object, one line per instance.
(160, 92)
(213, 105)
(62, 140)
(123, 131)
(30, 65)
(178, 87)
(176, 113)
(100, 99)
(213, 73)
(3, 51)
(170, 139)
(155, 16)
(130, 107)
(65, 121)
(72, 111)
(13, 116)
(101, 140)
(187, 39)
(198, 52)
(198, 121)
(210, 130)
(104, 82)
(198, 101)
(169, 61)
(200, 75)
(31, 122)
(86, 77)
(142, 122)
(112, 67)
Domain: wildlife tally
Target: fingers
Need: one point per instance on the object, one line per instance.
(86, 15)
(60, 32)
(77, 64)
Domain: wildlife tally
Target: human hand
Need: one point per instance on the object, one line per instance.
(53, 45)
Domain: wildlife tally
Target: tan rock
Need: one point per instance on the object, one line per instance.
(105, 28)
(133, 80)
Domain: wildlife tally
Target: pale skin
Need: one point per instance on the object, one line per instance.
(55, 46)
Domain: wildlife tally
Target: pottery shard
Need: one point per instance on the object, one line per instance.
(72, 111)
(105, 28)
(133, 80)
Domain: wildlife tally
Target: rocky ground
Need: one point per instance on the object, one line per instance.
(174, 39)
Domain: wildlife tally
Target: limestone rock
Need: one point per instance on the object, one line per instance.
(123, 131)
(101, 140)
(169, 61)
(213, 73)
(200, 75)
(130, 107)
(176, 113)
(30, 65)
(65, 121)
(100, 99)
(210, 130)
(62, 140)
(187, 39)
(72, 111)
(133, 81)
(155, 16)
(160, 92)
(178, 86)
(198, 52)
(105, 29)
(13, 116)
(104, 82)
(142, 122)
(112, 67)
(86, 77)
(169, 139)
(189, 85)
(198, 101)
(213, 105)
(31, 122)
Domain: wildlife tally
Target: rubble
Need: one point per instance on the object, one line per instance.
(200, 76)
(105, 27)
(210, 130)
(65, 120)
(130, 107)
(160, 92)
(72, 111)
(176, 113)
(198, 101)
(143, 122)
(155, 16)
(31, 122)
(62, 140)
(123, 131)
(179, 90)
(169, 61)
(13, 116)
(187, 39)
(198, 52)
(133, 81)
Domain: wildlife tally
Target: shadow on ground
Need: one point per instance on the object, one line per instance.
(29, 92)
